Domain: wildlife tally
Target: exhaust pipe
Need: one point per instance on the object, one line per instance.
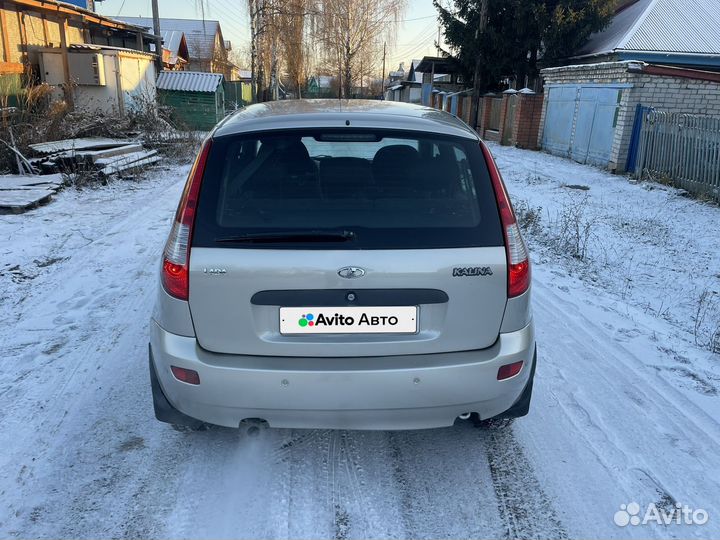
(465, 416)
(252, 426)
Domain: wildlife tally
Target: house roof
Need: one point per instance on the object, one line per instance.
(199, 34)
(189, 81)
(71, 10)
(322, 81)
(413, 74)
(175, 42)
(660, 26)
(92, 47)
(441, 65)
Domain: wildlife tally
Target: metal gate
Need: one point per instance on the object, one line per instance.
(580, 122)
(559, 117)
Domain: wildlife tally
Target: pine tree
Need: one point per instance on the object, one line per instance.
(517, 32)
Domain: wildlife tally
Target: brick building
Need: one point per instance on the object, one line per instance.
(662, 54)
(590, 110)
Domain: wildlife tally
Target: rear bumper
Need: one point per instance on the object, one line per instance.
(390, 392)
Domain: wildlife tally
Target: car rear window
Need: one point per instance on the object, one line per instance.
(379, 189)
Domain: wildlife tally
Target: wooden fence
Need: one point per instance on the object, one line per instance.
(495, 111)
(682, 148)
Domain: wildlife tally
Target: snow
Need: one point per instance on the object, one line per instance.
(625, 406)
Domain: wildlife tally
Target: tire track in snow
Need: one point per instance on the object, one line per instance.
(631, 438)
(467, 482)
(525, 507)
(341, 520)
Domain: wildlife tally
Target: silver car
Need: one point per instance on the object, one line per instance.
(343, 264)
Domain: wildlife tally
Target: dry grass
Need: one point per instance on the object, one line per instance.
(39, 118)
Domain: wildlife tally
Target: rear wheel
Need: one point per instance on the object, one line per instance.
(184, 429)
(492, 423)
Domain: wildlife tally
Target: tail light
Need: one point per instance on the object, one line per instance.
(517, 253)
(176, 257)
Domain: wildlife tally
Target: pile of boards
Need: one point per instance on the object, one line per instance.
(105, 156)
(101, 156)
(19, 193)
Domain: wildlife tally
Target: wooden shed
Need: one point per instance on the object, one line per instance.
(198, 99)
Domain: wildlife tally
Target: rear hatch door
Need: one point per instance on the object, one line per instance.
(301, 236)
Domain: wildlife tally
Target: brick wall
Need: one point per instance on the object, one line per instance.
(525, 124)
(527, 121)
(672, 90)
(666, 93)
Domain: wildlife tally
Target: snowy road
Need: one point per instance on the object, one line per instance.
(622, 412)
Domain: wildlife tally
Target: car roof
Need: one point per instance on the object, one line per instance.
(331, 113)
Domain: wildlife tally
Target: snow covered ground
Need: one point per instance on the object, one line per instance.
(625, 408)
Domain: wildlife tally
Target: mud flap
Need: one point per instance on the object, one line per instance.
(522, 406)
(164, 411)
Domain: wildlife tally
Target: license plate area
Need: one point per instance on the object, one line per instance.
(349, 320)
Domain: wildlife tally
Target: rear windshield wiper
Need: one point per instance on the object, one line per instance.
(289, 236)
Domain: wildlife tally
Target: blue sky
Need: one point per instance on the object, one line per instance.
(415, 38)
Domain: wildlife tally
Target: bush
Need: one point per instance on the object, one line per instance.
(572, 230)
(39, 118)
(707, 321)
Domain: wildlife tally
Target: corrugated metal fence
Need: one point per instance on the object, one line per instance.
(683, 148)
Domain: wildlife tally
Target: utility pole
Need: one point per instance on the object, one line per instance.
(158, 37)
(477, 82)
(383, 73)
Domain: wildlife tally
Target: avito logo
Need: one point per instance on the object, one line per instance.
(337, 319)
(306, 320)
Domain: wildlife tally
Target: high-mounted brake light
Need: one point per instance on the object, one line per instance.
(176, 257)
(517, 253)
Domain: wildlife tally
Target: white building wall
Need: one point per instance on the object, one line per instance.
(129, 81)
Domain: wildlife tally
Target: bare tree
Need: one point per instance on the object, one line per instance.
(254, 11)
(351, 32)
(290, 37)
(292, 33)
(266, 28)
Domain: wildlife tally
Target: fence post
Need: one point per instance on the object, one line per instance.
(640, 163)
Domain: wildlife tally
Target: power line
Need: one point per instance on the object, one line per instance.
(418, 43)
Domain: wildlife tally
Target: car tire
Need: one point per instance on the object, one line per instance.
(495, 423)
(186, 429)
